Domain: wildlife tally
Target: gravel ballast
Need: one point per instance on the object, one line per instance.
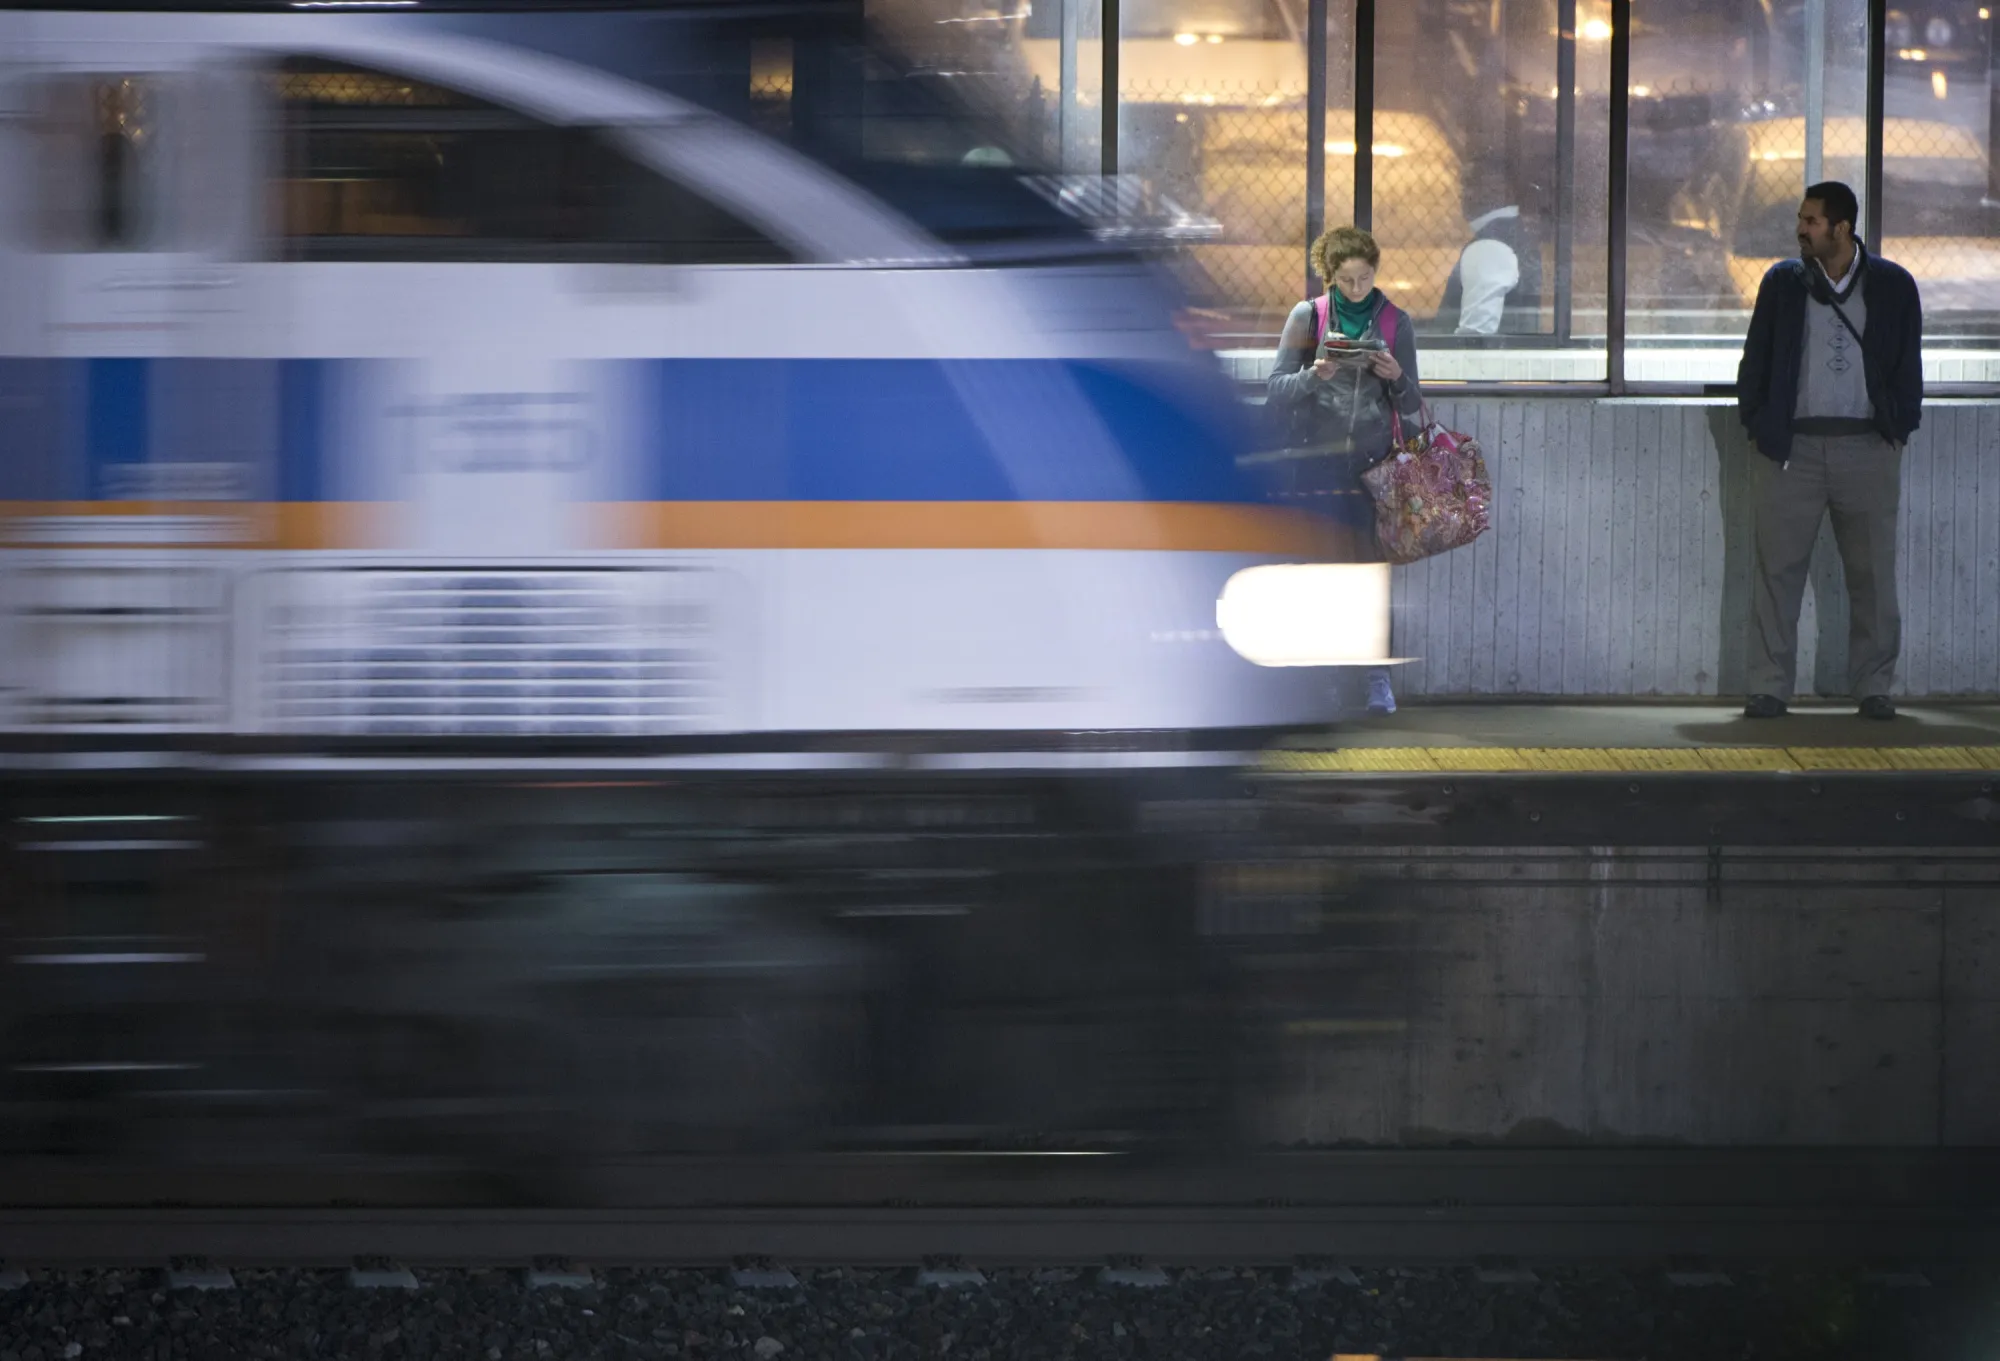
(851, 1315)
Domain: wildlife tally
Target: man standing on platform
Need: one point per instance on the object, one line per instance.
(1831, 387)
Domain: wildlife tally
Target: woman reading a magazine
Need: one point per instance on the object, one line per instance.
(1343, 361)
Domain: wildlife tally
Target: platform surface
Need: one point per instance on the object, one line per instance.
(1693, 738)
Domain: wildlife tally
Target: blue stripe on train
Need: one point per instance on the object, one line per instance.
(727, 429)
(115, 421)
(75, 429)
(40, 453)
(924, 430)
(302, 427)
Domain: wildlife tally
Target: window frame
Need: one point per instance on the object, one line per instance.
(1617, 216)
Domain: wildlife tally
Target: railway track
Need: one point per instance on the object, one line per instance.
(880, 1209)
(908, 1236)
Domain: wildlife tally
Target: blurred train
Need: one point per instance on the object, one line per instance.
(445, 441)
(370, 377)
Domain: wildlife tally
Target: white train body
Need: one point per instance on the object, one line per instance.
(847, 477)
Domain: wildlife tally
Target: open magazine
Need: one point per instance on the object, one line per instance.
(1338, 347)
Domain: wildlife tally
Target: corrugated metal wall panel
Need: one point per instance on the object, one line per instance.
(1620, 559)
(1987, 514)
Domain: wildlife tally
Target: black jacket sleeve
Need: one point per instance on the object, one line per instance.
(1907, 382)
(1753, 371)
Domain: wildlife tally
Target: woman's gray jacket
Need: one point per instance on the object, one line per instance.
(1349, 411)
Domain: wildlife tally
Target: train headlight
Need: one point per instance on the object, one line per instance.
(1320, 614)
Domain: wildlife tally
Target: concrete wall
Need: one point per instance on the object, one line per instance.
(1619, 562)
(1762, 998)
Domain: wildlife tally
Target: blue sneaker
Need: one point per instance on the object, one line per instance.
(1381, 698)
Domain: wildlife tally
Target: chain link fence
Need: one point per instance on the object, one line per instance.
(1239, 156)
(771, 89)
(1733, 216)
(1941, 221)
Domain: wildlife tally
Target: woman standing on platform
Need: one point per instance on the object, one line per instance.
(1343, 363)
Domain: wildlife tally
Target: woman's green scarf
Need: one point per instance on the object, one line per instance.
(1353, 317)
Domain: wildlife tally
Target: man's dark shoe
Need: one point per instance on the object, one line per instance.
(1878, 706)
(1765, 706)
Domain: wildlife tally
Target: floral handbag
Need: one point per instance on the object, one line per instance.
(1432, 493)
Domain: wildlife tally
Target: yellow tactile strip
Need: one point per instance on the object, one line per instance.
(1897, 758)
(1595, 760)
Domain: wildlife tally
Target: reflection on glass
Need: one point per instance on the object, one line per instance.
(1479, 186)
(1731, 119)
(1041, 64)
(97, 155)
(1212, 110)
(1940, 181)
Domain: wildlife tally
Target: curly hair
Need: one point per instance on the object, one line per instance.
(1337, 245)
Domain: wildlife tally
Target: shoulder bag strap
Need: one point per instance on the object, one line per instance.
(1834, 303)
(1831, 300)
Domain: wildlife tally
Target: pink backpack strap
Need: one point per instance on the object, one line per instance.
(1320, 306)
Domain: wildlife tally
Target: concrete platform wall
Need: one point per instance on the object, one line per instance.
(1620, 560)
(1756, 999)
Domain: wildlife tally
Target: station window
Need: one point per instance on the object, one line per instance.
(1488, 187)
(380, 167)
(1731, 107)
(1734, 110)
(1212, 107)
(1941, 178)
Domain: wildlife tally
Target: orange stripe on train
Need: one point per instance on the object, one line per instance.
(970, 524)
(190, 525)
(614, 526)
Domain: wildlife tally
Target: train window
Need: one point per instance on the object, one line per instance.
(379, 167)
(100, 152)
